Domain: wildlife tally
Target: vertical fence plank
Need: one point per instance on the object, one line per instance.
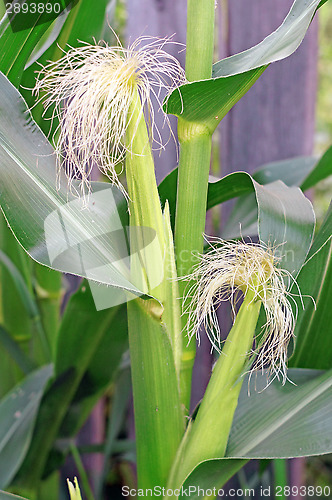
(163, 19)
(276, 119)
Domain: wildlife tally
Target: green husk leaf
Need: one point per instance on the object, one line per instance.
(157, 406)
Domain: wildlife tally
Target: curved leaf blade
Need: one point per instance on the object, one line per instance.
(279, 422)
(82, 329)
(322, 170)
(285, 216)
(15, 352)
(286, 221)
(85, 237)
(47, 39)
(9, 496)
(28, 301)
(208, 101)
(302, 171)
(16, 46)
(89, 350)
(313, 347)
(284, 421)
(18, 411)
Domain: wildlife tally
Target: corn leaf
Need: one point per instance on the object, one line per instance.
(313, 347)
(9, 496)
(15, 352)
(81, 332)
(18, 412)
(16, 45)
(105, 353)
(304, 172)
(53, 226)
(285, 216)
(120, 400)
(26, 297)
(208, 101)
(278, 422)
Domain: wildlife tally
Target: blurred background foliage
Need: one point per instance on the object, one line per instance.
(323, 137)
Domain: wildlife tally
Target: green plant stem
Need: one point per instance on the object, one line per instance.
(194, 165)
(200, 39)
(48, 291)
(159, 422)
(190, 223)
(207, 437)
(31, 309)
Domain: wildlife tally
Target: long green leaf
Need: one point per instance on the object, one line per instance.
(277, 422)
(9, 496)
(313, 347)
(16, 353)
(49, 293)
(18, 412)
(57, 229)
(322, 170)
(51, 412)
(16, 46)
(304, 172)
(104, 363)
(19, 326)
(82, 329)
(28, 302)
(208, 101)
(83, 24)
(47, 40)
(24, 293)
(119, 406)
(284, 421)
(285, 217)
(293, 171)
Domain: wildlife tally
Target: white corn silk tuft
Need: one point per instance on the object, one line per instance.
(229, 270)
(90, 90)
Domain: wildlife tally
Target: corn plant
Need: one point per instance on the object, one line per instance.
(153, 280)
